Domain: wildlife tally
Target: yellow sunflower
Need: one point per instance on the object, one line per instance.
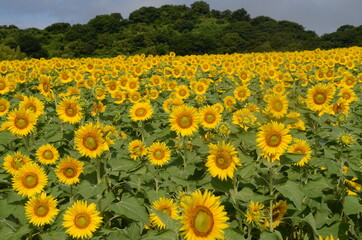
(98, 107)
(68, 170)
(182, 91)
(69, 110)
(244, 118)
(222, 160)
(200, 88)
(273, 138)
(137, 149)
(254, 213)
(41, 210)
(4, 85)
(159, 154)
(279, 209)
(141, 111)
(89, 140)
(164, 205)
(21, 122)
(203, 217)
(319, 97)
(34, 104)
(29, 180)
(329, 237)
(81, 220)
(210, 116)
(12, 163)
(4, 106)
(184, 120)
(277, 106)
(47, 154)
(241, 93)
(348, 95)
(45, 86)
(229, 103)
(301, 147)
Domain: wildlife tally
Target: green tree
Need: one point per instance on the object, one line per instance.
(106, 23)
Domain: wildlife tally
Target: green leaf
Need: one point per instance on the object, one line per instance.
(87, 190)
(232, 234)
(53, 235)
(312, 223)
(351, 205)
(220, 185)
(271, 235)
(167, 235)
(131, 208)
(315, 187)
(6, 137)
(292, 191)
(171, 223)
(289, 158)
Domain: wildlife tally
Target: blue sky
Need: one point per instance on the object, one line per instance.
(321, 16)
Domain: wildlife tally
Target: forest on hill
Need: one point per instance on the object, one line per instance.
(170, 28)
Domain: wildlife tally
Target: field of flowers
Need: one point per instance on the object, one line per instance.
(241, 146)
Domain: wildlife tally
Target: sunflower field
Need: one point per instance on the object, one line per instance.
(240, 146)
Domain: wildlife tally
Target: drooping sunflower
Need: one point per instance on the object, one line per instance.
(141, 111)
(137, 149)
(319, 97)
(4, 106)
(279, 209)
(81, 219)
(301, 147)
(47, 154)
(184, 120)
(69, 110)
(222, 160)
(45, 86)
(210, 116)
(98, 107)
(241, 93)
(41, 210)
(203, 217)
(164, 205)
(277, 106)
(273, 138)
(229, 102)
(29, 180)
(21, 122)
(34, 104)
(68, 170)
(159, 154)
(244, 118)
(12, 163)
(89, 140)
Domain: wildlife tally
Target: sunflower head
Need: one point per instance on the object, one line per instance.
(41, 209)
(21, 121)
(159, 154)
(47, 154)
(184, 120)
(164, 205)
(141, 111)
(12, 163)
(68, 170)
(89, 140)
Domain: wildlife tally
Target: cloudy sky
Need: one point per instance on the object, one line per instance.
(321, 16)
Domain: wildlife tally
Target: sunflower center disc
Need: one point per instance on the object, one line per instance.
(274, 140)
(222, 161)
(346, 96)
(185, 121)
(21, 123)
(209, 118)
(32, 108)
(158, 154)
(278, 106)
(90, 143)
(182, 92)
(241, 94)
(81, 221)
(48, 154)
(200, 88)
(246, 120)
(298, 151)
(320, 98)
(30, 181)
(2, 108)
(203, 222)
(140, 112)
(167, 211)
(41, 211)
(69, 172)
(70, 111)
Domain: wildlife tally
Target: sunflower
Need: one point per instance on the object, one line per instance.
(47, 154)
(141, 111)
(222, 160)
(21, 122)
(301, 147)
(254, 213)
(98, 107)
(229, 103)
(182, 91)
(45, 86)
(4, 106)
(159, 154)
(164, 205)
(244, 118)
(137, 149)
(319, 96)
(81, 219)
(34, 104)
(89, 140)
(299, 124)
(68, 170)
(12, 163)
(203, 216)
(4, 86)
(348, 95)
(273, 138)
(210, 116)
(329, 237)
(200, 88)
(134, 96)
(277, 106)
(241, 93)
(184, 120)
(69, 110)
(278, 211)
(41, 210)
(29, 180)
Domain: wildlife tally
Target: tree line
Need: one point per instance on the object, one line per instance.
(170, 28)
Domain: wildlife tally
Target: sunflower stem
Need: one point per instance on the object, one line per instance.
(99, 180)
(271, 216)
(185, 152)
(271, 192)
